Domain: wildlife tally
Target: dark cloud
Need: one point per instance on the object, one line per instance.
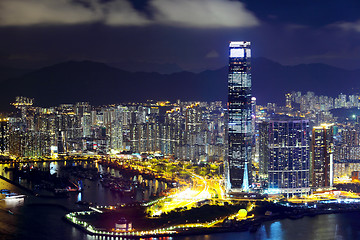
(317, 13)
(192, 34)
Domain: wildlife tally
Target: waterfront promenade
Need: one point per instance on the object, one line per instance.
(223, 224)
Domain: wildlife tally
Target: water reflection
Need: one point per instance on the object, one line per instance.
(93, 191)
(271, 231)
(32, 208)
(12, 203)
(79, 198)
(53, 168)
(122, 238)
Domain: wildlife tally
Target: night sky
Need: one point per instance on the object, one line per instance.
(185, 34)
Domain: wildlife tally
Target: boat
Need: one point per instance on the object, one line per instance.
(14, 196)
(4, 191)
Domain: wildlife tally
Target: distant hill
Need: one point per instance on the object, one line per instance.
(9, 72)
(99, 83)
(272, 80)
(133, 66)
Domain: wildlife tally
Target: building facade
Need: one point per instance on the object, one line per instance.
(322, 167)
(238, 165)
(289, 151)
(4, 135)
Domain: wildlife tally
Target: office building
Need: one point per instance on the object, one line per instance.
(238, 164)
(288, 165)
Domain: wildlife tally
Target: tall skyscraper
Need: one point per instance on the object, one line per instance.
(239, 118)
(322, 156)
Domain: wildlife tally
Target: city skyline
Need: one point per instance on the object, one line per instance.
(176, 118)
(238, 160)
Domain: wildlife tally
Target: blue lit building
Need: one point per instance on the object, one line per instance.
(289, 156)
(238, 164)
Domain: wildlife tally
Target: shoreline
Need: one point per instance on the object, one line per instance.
(251, 225)
(291, 212)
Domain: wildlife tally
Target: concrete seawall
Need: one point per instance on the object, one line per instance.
(17, 185)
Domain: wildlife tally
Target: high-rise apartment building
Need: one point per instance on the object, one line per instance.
(288, 98)
(288, 165)
(264, 154)
(347, 151)
(29, 144)
(4, 135)
(238, 165)
(322, 156)
(116, 136)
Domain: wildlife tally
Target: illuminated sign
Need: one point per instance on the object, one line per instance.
(236, 154)
(237, 53)
(239, 44)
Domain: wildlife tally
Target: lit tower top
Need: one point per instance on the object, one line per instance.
(239, 112)
(240, 49)
(23, 103)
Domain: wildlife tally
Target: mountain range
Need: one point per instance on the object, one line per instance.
(99, 84)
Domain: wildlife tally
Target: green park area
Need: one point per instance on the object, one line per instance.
(141, 221)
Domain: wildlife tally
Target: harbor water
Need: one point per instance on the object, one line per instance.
(42, 218)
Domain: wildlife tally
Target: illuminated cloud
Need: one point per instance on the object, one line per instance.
(35, 12)
(121, 13)
(62, 12)
(212, 54)
(354, 26)
(183, 13)
(203, 13)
